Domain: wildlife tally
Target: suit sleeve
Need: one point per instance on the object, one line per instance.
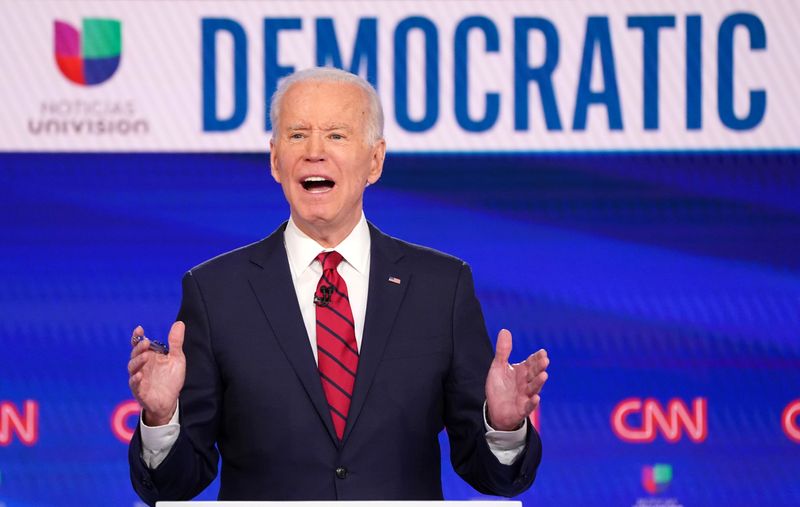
(464, 396)
(191, 464)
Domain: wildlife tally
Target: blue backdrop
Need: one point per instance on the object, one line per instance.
(663, 276)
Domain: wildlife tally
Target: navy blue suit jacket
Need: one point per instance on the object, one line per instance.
(253, 393)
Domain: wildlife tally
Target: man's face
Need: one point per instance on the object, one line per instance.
(321, 157)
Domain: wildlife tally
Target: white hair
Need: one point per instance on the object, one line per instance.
(374, 126)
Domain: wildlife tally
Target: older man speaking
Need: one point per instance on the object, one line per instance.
(322, 362)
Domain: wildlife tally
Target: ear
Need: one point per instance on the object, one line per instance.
(273, 161)
(376, 164)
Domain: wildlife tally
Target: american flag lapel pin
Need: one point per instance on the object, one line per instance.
(394, 280)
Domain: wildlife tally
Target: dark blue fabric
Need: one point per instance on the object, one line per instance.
(253, 388)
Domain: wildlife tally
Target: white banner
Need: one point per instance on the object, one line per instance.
(454, 76)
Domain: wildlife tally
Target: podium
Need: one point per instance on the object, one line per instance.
(360, 503)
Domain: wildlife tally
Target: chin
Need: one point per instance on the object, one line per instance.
(315, 219)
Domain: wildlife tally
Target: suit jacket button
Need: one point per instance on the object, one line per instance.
(341, 472)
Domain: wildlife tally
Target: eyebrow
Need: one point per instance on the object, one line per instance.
(327, 128)
(337, 126)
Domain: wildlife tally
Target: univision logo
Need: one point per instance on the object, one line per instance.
(92, 57)
(656, 478)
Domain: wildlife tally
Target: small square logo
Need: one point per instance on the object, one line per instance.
(656, 478)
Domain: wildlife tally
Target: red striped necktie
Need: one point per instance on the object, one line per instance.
(337, 352)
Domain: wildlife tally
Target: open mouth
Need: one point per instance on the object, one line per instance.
(317, 184)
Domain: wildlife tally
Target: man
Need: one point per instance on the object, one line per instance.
(322, 362)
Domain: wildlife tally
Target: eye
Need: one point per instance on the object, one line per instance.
(337, 137)
(296, 135)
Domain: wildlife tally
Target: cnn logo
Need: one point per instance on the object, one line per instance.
(671, 421)
(790, 421)
(24, 424)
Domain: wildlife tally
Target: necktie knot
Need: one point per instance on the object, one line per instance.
(329, 260)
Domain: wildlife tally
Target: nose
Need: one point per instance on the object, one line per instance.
(315, 148)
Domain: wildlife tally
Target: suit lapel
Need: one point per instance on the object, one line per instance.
(275, 291)
(383, 302)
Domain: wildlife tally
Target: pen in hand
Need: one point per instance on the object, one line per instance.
(155, 346)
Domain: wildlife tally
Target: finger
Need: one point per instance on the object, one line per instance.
(138, 362)
(175, 338)
(134, 382)
(535, 385)
(536, 363)
(530, 406)
(542, 359)
(136, 336)
(140, 348)
(137, 331)
(503, 349)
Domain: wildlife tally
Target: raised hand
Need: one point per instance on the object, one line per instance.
(156, 379)
(512, 390)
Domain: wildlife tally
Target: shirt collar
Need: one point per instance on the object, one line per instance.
(301, 250)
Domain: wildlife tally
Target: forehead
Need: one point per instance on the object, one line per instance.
(321, 102)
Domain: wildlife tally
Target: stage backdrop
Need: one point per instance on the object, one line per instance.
(623, 177)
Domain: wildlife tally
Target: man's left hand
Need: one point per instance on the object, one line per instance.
(512, 390)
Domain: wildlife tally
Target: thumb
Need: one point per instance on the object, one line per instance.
(176, 338)
(503, 349)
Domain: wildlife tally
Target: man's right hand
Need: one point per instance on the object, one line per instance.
(156, 379)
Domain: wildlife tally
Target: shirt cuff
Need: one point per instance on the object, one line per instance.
(158, 440)
(507, 446)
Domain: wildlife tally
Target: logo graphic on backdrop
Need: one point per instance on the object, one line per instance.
(790, 421)
(656, 478)
(124, 419)
(89, 57)
(24, 424)
(639, 421)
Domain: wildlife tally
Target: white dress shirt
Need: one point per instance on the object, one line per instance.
(302, 251)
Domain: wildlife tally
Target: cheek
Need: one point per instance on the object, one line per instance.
(360, 169)
(276, 175)
(282, 169)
